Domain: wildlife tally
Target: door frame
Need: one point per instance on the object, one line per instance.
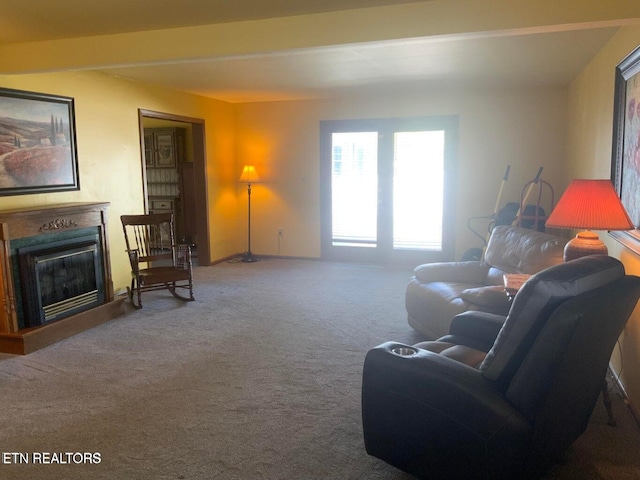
(200, 177)
(449, 123)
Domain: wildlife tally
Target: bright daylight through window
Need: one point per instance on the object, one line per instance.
(418, 170)
(354, 185)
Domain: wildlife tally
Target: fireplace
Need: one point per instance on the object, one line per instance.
(55, 274)
(60, 279)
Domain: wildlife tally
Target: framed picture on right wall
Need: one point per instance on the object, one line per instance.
(625, 158)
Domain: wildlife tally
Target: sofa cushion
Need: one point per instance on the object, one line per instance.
(519, 250)
(457, 272)
(461, 353)
(439, 301)
(535, 301)
(490, 296)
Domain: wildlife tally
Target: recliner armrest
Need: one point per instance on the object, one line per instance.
(443, 384)
(407, 402)
(475, 329)
(467, 272)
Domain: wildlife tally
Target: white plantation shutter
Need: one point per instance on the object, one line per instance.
(354, 184)
(418, 168)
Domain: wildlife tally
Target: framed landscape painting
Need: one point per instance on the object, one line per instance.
(37, 143)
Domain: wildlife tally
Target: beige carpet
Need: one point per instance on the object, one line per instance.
(258, 379)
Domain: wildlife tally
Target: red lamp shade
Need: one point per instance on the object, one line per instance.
(590, 205)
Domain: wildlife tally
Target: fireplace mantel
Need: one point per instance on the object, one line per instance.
(47, 220)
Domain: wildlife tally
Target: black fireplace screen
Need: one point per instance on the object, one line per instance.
(60, 279)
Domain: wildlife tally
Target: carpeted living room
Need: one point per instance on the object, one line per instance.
(260, 378)
(335, 171)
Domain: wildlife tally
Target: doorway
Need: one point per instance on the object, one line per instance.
(387, 189)
(174, 175)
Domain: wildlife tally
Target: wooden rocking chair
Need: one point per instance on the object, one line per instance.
(157, 263)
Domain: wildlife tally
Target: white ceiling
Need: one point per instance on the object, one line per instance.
(500, 59)
(364, 69)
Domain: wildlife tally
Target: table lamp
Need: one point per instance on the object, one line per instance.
(589, 205)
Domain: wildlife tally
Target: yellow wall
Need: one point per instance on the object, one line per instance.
(109, 156)
(282, 139)
(589, 156)
(523, 128)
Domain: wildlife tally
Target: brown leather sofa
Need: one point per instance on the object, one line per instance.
(437, 292)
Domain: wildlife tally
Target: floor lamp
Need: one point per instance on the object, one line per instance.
(249, 176)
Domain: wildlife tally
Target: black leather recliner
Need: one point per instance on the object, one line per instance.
(529, 398)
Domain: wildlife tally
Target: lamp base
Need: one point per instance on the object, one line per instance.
(249, 258)
(585, 243)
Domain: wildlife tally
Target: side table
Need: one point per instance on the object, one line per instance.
(513, 282)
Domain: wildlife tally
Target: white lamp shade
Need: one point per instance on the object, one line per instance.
(249, 175)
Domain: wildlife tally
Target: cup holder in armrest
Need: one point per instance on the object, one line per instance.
(404, 351)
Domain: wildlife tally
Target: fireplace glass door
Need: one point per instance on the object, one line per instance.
(62, 279)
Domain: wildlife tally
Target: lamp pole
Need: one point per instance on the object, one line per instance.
(249, 176)
(248, 257)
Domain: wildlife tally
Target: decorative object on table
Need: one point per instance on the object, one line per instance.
(249, 176)
(157, 262)
(589, 205)
(37, 143)
(625, 160)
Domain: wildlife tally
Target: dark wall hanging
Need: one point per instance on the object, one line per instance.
(625, 159)
(37, 143)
